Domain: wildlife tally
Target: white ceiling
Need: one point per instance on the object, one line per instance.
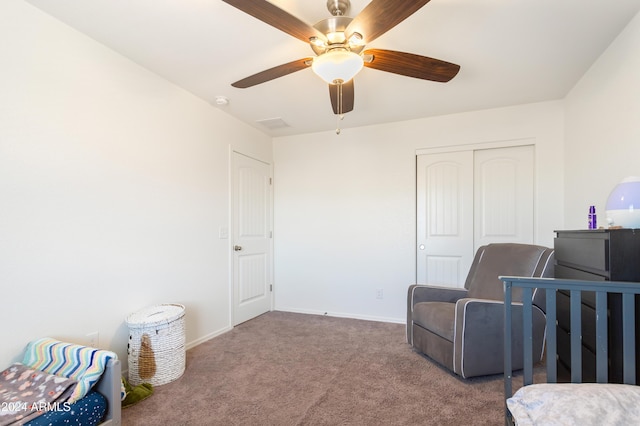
(510, 52)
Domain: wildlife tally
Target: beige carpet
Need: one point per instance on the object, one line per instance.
(295, 369)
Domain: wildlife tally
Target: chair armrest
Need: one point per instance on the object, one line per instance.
(429, 293)
(479, 335)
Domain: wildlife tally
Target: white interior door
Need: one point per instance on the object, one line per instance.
(466, 199)
(445, 218)
(252, 248)
(504, 195)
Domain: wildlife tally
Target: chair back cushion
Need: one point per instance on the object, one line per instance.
(494, 260)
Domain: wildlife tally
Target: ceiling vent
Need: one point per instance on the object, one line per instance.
(273, 123)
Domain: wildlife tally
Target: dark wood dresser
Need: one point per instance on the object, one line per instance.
(597, 255)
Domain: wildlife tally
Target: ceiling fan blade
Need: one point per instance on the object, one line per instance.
(273, 73)
(380, 16)
(347, 97)
(411, 65)
(278, 18)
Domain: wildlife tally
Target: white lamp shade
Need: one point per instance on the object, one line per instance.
(623, 204)
(337, 66)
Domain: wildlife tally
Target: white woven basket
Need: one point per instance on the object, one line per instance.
(156, 351)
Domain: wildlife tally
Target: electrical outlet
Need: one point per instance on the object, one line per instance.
(379, 294)
(93, 339)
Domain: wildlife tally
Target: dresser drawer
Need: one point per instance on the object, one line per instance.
(587, 316)
(596, 255)
(568, 273)
(564, 358)
(591, 254)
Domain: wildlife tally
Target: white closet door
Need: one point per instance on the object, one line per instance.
(504, 186)
(445, 217)
(466, 199)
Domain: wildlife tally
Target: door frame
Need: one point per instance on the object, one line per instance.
(507, 143)
(231, 228)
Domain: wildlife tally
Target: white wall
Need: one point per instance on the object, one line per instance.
(113, 185)
(603, 128)
(345, 205)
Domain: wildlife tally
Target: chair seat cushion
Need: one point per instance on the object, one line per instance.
(437, 317)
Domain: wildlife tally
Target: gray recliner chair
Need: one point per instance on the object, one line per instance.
(463, 328)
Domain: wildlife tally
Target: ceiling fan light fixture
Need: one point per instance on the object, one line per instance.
(318, 42)
(356, 39)
(338, 65)
(336, 37)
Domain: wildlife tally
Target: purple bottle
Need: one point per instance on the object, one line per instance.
(593, 222)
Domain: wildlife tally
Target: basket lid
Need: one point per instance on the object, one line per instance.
(155, 315)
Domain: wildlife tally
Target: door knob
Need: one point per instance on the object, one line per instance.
(237, 248)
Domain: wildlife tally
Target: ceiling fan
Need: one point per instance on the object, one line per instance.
(339, 44)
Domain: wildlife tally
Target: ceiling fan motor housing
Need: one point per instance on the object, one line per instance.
(334, 28)
(338, 7)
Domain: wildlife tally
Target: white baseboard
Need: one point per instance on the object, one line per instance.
(207, 337)
(344, 315)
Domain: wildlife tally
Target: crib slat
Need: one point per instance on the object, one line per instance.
(576, 336)
(602, 368)
(552, 366)
(628, 339)
(508, 372)
(527, 334)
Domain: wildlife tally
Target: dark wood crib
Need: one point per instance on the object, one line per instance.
(602, 292)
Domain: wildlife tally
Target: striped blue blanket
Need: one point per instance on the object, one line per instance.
(81, 363)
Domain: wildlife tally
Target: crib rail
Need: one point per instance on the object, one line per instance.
(627, 291)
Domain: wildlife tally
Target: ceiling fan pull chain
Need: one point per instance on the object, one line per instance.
(340, 118)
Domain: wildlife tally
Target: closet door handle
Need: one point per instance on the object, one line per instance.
(237, 248)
